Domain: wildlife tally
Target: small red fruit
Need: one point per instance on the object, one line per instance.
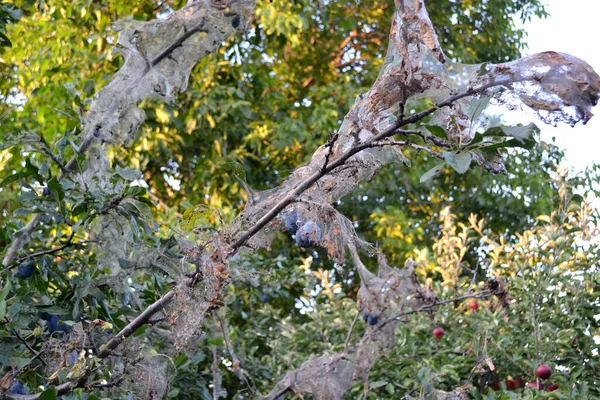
(473, 305)
(519, 383)
(438, 333)
(552, 387)
(543, 371)
(496, 385)
(510, 384)
(534, 385)
(470, 351)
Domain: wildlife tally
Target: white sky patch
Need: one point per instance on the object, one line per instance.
(572, 28)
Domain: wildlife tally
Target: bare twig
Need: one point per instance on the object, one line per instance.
(68, 243)
(215, 365)
(350, 331)
(430, 307)
(31, 349)
(178, 42)
(237, 368)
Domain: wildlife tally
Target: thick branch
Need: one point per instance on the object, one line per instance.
(371, 142)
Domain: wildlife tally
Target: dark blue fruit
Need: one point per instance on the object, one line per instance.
(373, 320)
(235, 22)
(46, 191)
(308, 234)
(72, 357)
(365, 317)
(293, 221)
(265, 298)
(53, 325)
(16, 387)
(26, 270)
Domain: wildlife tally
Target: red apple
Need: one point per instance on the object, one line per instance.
(473, 305)
(552, 387)
(519, 383)
(534, 385)
(510, 384)
(438, 332)
(543, 371)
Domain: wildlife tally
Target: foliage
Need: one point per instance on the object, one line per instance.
(480, 347)
(257, 109)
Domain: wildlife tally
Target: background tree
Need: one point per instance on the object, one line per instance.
(259, 112)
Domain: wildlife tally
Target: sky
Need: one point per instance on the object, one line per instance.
(572, 27)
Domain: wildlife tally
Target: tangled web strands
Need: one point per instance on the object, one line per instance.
(556, 86)
(158, 62)
(384, 295)
(159, 56)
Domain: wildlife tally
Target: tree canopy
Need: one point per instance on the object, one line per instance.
(259, 107)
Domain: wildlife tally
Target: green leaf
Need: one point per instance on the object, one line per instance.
(460, 162)
(2, 309)
(70, 87)
(437, 131)
(11, 178)
(49, 394)
(235, 168)
(476, 106)
(88, 87)
(56, 188)
(4, 40)
(198, 216)
(125, 264)
(377, 384)
(20, 362)
(525, 144)
(79, 208)
(134, 191)
(5, 290)
(216, 341)
(432, 172)
(20, 137)
(482, 70)
(521, 133)
(129, 174)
